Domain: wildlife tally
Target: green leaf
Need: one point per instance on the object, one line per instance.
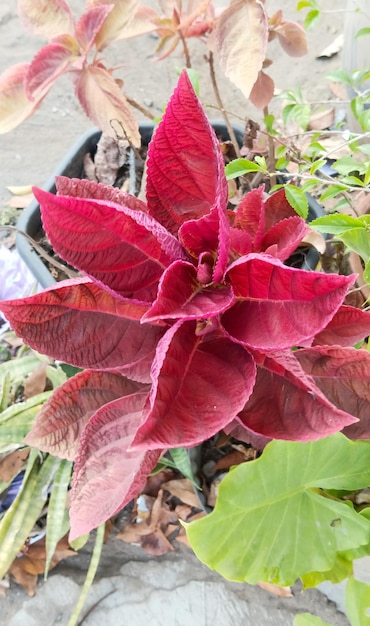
(362, 32)
(239, 167)
(22, 515)
(306, 619)
(272, 521)
(194, 79)
(297, 199)
(347, 164)
(182, 463)
(311, 18)
(341, 569)
(336, 224)
(308, 185)
(57, 520)
(358, 240)
(316, 165)
(331, 192)
(366, 273)
(358, 602)
(340, 76)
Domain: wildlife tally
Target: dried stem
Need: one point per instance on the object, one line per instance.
(140, 108)
(186, 50)
(271, 157)
(209, 59)
(42, 252)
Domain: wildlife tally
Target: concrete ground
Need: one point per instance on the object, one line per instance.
(131, 588)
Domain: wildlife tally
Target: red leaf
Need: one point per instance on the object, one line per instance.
(292, 38)
(284, 237)
(15, 107)
(182, 296)
(199, 386)
(119, 247)
(79, 323)
(286, 404)
(277, 208)
(184, 181)
(278, 306)
(106, 475)
(250, 216)
(348, 326)
(343, 375)
(50, 63)
(59, 424)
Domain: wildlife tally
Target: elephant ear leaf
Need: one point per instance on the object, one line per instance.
(287, 514)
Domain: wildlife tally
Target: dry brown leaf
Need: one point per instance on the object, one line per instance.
(322, 119)
(183, 511)
(35, 382)
(316, 240)
(233, 458)
(20, 190)
(183, 538)
(25, 579)
(332, 49)
(276, 590)
(154, 483)
(339, 90)
(11, 464)
(156, 543)
(182, 489)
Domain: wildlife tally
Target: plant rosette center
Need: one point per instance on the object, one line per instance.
(186, 321)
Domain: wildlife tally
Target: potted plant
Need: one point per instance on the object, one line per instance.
(206, 330)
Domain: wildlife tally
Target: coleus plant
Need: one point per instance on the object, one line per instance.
(186, 320)
(239, 36)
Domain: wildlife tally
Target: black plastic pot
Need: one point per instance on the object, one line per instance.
(73, 166)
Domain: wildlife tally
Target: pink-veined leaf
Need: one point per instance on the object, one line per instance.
(292, 38)
(348, 326)
(285, 237)
(49, 63)
(287, 404)
(48, 18)
(185, 172)
(182, 296)
(59, 424)
(104, 103)
(278, 307)
(79, 323)
(15, 107)
(199, 385)
(343, 375)
(277, 208)
(89, 25)
(83, 188)
(115, 245)
(250, 215)
(107, 476)
(262, 91)
(240, 39)
(126, 19)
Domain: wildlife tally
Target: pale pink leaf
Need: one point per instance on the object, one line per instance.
(15, 107)
(199, 385)
(89, 25)
(115, 245)
(240, 40)
(77, 322)
(185, 173)
(262, 90)
(49, 63)
(59, 424)
(287, 404)
(127, 19)
(292, 38)
(278, 307)
(104, 103)
(48, 18)
(343, 375)
(107, 476)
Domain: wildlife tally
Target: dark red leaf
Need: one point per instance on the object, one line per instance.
(348, 326)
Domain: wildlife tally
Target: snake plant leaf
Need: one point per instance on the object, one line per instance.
(283, 524)
(16, 420)
(57, 521)
(358, 602)
(21, 516)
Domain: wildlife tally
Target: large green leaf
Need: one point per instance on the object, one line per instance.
(358, 602)
(306, 619)
(273, 521)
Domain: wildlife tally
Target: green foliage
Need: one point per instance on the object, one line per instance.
(57, 521)
(178, 459)
(297, 199)
(312, 15)
(284, 524)
(358, 602)
(239, 167)
(306, 619)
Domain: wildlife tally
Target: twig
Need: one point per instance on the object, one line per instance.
(209, 59)
(140, 108)
(93, 607)
(271, 157)
(42, 252)
(186, 49)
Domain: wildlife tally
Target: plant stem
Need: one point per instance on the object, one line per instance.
(140, 108)
(42, 252)
(209, 59)
(271, 157)
(186, 50)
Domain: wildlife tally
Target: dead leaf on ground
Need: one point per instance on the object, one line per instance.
(183, 490)
(276, 590)
(332, 49)
(339, 90)
(233, 458)
(12, 464)
(35, 382)
(322, 119)
(154, 483)
(20, 202)
(156, 543)
(316, 240)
